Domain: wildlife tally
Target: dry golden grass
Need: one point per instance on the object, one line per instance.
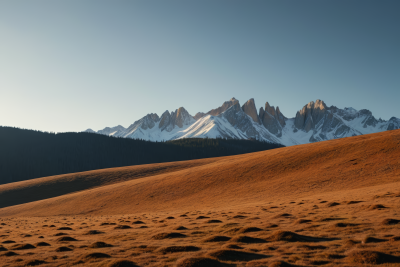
(334, 203)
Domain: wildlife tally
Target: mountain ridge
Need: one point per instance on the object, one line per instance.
(314, 122)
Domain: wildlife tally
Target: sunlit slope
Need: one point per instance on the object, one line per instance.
(53, 186)
(297, 171)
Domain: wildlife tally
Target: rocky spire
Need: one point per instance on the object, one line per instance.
(269, 109)
(225, 106)
(250, 109)
(276, 113)
(273, 120)
(182, 117)
(164, 121)
(179, 117)
(261, 114)
(310, 115)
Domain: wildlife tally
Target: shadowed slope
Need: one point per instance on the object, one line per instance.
(53, 186)
(303, 170)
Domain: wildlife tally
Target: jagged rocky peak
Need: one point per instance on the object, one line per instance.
(272, 119)
(149, 121)
(224, 107)
(181, 117)
(165, 121)
(393, 124)
(319, 104)
(347, 114)
(369, 119)
(276, 113)
(111, 130)
(310, 115)
(239, 120)
(269, 109)
(199, 115)
(250, 109)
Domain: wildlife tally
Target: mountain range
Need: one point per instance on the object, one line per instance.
(314, 122)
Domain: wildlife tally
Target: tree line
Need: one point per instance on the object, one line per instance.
(27, 154)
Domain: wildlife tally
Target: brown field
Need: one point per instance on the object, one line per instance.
(329, 203)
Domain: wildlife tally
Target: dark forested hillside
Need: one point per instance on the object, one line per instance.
(27, 154)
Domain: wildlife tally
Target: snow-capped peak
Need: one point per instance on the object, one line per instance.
(314, 122)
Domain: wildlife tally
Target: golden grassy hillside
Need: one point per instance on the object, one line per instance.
(329, 203)
(291, 172)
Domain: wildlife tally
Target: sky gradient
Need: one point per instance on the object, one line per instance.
(72, 65)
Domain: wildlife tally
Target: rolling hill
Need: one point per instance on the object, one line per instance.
(291, 172)
(331, 203)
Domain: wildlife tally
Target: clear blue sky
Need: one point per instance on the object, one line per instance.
(77, 64)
